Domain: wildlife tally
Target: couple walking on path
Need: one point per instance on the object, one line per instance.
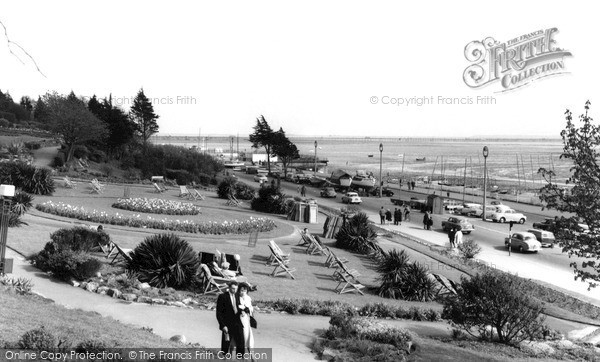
(456, 237)
(235, 315)
(427, 221)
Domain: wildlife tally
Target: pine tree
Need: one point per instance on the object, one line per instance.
(263, 136)
(40, 112)
(142, 113)
(285, 149)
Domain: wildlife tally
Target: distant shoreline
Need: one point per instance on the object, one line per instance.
(225, 138)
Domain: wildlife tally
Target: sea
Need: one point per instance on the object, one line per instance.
(457, 161)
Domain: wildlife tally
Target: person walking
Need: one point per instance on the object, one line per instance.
(458, 237)
(382, 215)
(397, 216)
(426, 220)
(303, 191)
(232, 330)
(246, 312)
(406, 213)
(430, 223)
(388, 216)
(451, 235)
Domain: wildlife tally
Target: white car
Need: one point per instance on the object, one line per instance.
(508, 215)
(469, 209)
(260, 178)
(351, 198)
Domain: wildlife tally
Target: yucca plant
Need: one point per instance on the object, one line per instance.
(402, 279)
(29, 178)
(164, 260)
(226, 188)
(358, 235)
(21, 202)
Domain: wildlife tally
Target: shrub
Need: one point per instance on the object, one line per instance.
(498, 300)
(182, 177)
(32, 145)
(29, 178)
(79, 238)
(4, 123)
(91, 346)
(106, 169)
(244, 191)
(270, 200)
(59, 161)
(469, 249)
(97, 156)
(80, 151)
(67, 264)
(21, 202)
(357, 235)
(164, 260)
(20, 285)
(14, 220)
(38, 339)
(226, 188)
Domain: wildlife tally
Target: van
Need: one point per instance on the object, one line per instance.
(546, 238)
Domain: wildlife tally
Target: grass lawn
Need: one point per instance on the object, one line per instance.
(21, 313)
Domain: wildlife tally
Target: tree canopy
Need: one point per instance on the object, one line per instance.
(120, 127)
(142, 113)
(263, 136)
(579, 197)
(285, 149)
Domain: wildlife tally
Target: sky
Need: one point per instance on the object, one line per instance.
(322, 68)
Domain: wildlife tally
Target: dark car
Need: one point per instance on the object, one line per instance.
(548, 224)
(328, 192)
(384, 192)
(454, 222)
(546, 238)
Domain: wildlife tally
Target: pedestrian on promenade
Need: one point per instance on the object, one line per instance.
(451, 235)
(303, 191)
(382, 215)
(298, 188)
(406, 213)
(397, 216)
(229, 322)
(430, 223)
(388, 216)
(426, 220)
(458, 237)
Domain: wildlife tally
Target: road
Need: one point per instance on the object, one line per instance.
(548, 266)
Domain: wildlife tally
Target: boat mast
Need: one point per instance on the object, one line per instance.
(518, 173)
(465, 180)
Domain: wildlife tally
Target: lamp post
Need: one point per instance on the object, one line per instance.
(6, 193)
(485, 155)
(315, 169)
(380, 167)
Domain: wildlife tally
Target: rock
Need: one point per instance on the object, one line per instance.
(329, 354)
(144, 286)
(83, 285)
(187, 300)
(102, 290)
(130, 297)
(113, 292)
(144, 299)
(179, 338)
(158, 301)
(179, 304)
(99, 275)
(166, 291)
(91, 287)
(75, 283)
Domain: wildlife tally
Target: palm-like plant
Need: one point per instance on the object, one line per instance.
(21, 202)
(402, 279)
(226, 188)
(358, 235)
(164, 260)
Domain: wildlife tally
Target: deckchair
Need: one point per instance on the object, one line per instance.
(210, 283)
(68, 183)
(275, 249)
(158, 188)
(446, 286)
(342, 269)
(106, 249)
(281, 264)
(96, 188)
(304, 239)
(184, 192)
(233, 201)
(315, 246)
(95, 181)
(197, 195)
(349, 284)
(124, 253)
(332, 258)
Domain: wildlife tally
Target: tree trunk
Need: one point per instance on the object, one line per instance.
(71, 148)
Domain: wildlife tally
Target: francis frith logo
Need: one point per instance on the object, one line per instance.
(516, 62)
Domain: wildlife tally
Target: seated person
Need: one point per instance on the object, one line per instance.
(229, 274)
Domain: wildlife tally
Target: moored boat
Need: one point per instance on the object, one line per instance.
(361, 179)
(420, 159)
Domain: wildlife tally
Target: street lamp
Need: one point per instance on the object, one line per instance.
(380, 167)
(485, 155)
(6, 193)
(315, 169)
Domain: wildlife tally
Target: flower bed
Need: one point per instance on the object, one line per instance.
(157, 206)
(210, 227)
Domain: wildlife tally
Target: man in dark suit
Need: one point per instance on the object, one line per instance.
(229, 320)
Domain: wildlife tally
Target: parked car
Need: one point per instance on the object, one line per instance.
(351, 198)
(489, 210)
(454, 222)
(328, 192)
(452, 205)
(384, 192)
(260, 178)
(548, 224)
(469, 209)
(496, 202)
(546, 238)
(508, 215)
(523, 241)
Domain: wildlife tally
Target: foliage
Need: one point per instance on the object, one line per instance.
(59, 160)
(210, 227)
(240, 190)
(70, 118)
(21, 202)
(402, 279)
(284, 149)
(181, 177)
(38, 339)
(263, 136)
(582, 199)
(498, 300)
(66, 264)
(157, 206)
(164, 260)
(142, 114)
(469, 249)
(270, 200)
(79, 238)
(120, 127)
(20, 285)
(358, 235)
